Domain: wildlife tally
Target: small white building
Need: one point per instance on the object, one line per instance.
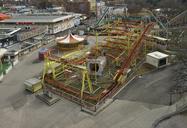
(157, 59)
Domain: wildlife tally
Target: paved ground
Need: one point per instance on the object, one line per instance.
(179, 121)
(19, 109)
(151, 88)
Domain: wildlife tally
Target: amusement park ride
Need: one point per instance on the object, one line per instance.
(92, 75)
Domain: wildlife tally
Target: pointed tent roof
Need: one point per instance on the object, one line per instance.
(3, 16)
(68, 39)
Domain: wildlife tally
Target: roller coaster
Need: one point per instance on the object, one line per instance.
(90, 76)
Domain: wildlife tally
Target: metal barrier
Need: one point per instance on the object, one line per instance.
(83, 103)
(29, 49)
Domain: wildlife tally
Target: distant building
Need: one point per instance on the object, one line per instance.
(11, 57)
(8, 36)
(78, 6)
(92, 5)
(54, 24)
(17, 8)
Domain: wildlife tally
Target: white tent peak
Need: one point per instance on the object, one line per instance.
(70, 38)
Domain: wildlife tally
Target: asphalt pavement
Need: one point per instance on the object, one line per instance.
(152, 88)
(20, 109)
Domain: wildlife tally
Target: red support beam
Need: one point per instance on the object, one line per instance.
(133, 52)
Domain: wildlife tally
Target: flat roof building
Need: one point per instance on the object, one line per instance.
(37, 19)
(7, 36)
(4, 32)
(158, 55)
(54, 23)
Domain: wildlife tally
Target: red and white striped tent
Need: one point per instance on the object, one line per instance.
(69, 41)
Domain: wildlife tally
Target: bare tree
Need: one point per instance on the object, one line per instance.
(181, 73)
(42, 4)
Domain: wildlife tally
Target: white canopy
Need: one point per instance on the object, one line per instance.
(69, 39)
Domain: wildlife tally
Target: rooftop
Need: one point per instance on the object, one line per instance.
(158, 38)
(37, 19)
(158, 55)
(32, 81)
(8, 31)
